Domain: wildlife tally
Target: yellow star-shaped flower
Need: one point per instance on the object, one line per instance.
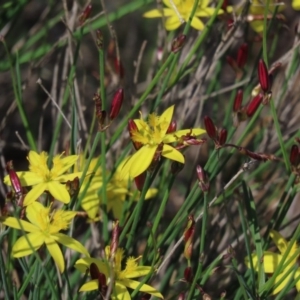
(153, 137)
(179, 11)
(43, 227)
(272, 260)
(117, 190)
(44, 179)
(122, 279)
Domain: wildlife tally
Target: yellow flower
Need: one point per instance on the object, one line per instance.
(271, 261)
(296, 4)
(257, 9)
(44, 179)
(153, 135)
(122, 279)
(43, 227)
(116, 190)
(179, 11)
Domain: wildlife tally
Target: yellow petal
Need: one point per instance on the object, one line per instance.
(34, 212)
(26, 178)
(19, 224)
(270, 261)
(279, 241)
(59, 191)
(197, 23)
(138, 162)
(144, 288)
(172, 23)
(70, 243)
(175, 136)
(67, 162)
(138, 272)
(171, 153)
(297, 277)
(169, 4)
(66, 177)
(156, 13)
(117, 208)
(296, 4)
(91, 205)
(34, 193)
(56, 254)
(25, 245)
(83, 264)
(287, 278)
(120, 292)
(151, 193)
(207, 12)
(257, 26)
(90, 286)
(166, 117)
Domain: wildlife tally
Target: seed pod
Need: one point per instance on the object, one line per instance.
(238, 100)
(139, 181)
(188, 237)
(14, 179)
(210, 127)
(172, 127)
(85, 14)
(203, 179)
(116, 104)
(131, 128)
(242, 55)
(178, 43)
(188, 274)
(263, 76)
(294, 156)
(253, 105)
(222, 136)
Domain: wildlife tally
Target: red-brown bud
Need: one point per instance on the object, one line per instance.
(96, 274)
(139, 181)
(132, 127)
(263, 76)
(116, 103)
(203, 179)
(178, 43)
(294, 156)
(231, 61)
(210, 127)
(85, 14)
(14, 179)
(172, 127)
(119, 67)
(253, 105)
(242, 55)
(188, 237)
(188, 274)
(238, 100)
(181, 296)
(222, 136)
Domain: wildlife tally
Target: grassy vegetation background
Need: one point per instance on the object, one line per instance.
(45, 52)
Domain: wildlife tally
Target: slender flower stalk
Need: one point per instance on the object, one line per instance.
(43, 228)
